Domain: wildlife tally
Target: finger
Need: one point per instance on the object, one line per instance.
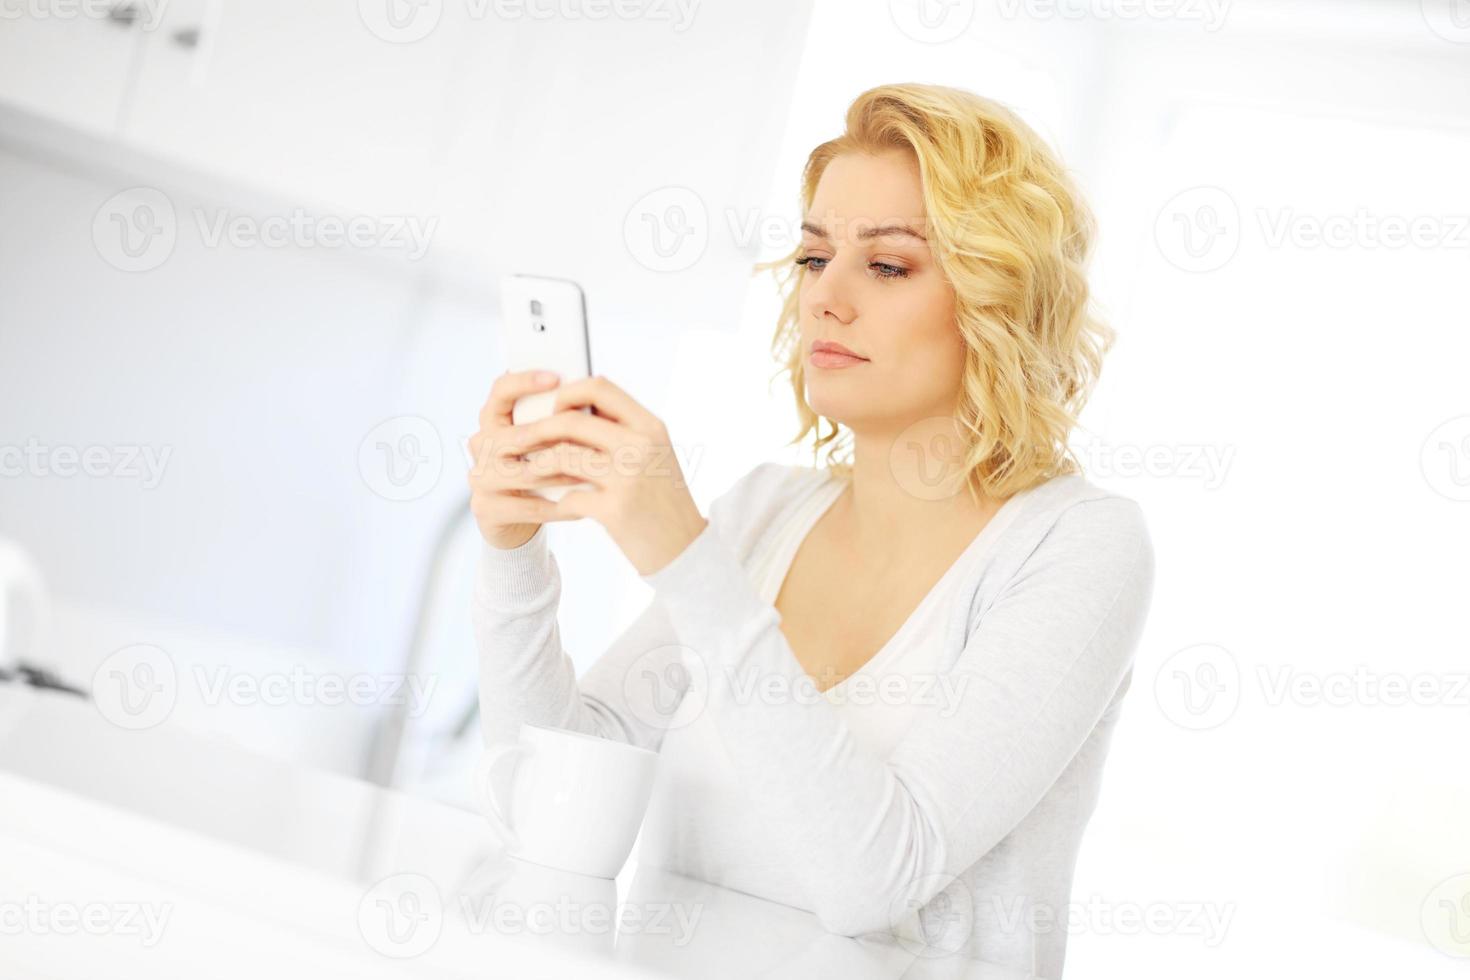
(490, 458)
(573, 426)
(609, 400)
(562, 463)
(529, 479)
(577, 504)
(565, 459)
(507, 388)
(497, 452)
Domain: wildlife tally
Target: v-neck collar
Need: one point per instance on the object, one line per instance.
(811, 510)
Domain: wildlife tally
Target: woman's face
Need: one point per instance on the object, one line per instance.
(876, 290)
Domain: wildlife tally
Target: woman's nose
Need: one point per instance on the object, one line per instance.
(829, 294)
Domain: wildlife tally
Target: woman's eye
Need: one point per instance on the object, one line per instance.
(885, 270)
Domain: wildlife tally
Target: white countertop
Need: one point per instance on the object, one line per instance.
(162, 853)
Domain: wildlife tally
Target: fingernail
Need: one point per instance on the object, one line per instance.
(545, 377)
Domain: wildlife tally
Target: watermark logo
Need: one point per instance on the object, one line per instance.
(136, 687)
(1199, 687)
(402, 458)
(1445, 916)
(932, 21)
(401, 916)
(1449, 19)
(670, 687)
(1202, 686)
(667, 230)
(400, 21)
(136, 230)
(939, 925)
(928, 458)
(1198, 230)
(667, 687)
(1445, 459)
(404, 915)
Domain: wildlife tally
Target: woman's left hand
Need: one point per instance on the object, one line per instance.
(639, 493)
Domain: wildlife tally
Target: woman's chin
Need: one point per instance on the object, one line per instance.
(838, 410)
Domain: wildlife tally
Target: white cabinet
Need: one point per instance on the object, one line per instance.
(580, 133)
(69, 62)
(302, 100)
(314, 105)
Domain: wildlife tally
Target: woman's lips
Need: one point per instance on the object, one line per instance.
(832, 359)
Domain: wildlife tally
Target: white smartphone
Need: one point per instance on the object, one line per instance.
(544, 327)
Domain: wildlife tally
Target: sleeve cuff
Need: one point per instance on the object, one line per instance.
(510, 578)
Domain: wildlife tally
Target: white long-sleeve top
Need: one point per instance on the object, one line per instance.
(952, 774)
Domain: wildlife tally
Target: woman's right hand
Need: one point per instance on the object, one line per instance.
(508, 516)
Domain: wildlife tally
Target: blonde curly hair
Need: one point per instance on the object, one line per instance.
(1012, 235)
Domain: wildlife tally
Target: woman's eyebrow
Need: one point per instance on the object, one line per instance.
(866, 233)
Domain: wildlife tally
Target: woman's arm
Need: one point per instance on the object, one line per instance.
(1035, 676)
(526, 676)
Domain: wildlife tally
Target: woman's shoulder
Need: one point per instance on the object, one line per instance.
(1070, 526)
(1070, 499)
(1068, 536)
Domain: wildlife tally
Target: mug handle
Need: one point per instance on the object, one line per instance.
(485, 788)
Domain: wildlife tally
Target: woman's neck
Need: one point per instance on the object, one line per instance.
(904, 495)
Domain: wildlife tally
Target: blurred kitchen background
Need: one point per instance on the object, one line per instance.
(249, 254)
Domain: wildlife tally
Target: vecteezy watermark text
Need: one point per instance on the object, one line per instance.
(299, 686)
(403, 915)
(566, 916)
(144, 14)
(138, 687)
(1201, 687)
(1211, 14)
(1207, 921)
(119, 462)
(408, 21)
(137, 230)
(34, 916)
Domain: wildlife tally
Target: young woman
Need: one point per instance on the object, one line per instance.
(888, 683)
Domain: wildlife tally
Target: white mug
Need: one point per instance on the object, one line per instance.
(572, 801)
